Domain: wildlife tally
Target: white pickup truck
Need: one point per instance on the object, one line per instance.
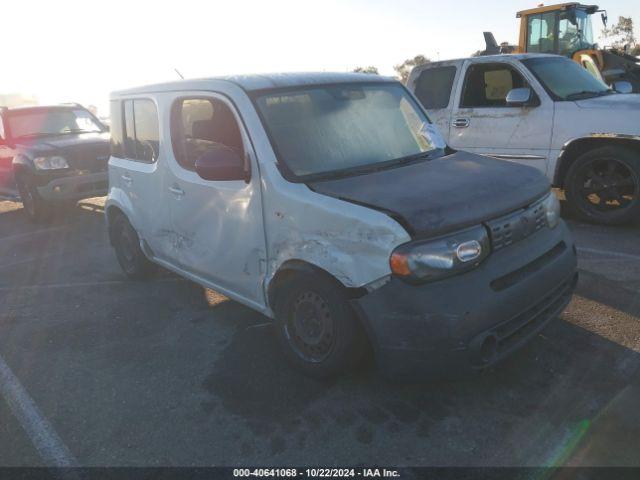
(547, 112)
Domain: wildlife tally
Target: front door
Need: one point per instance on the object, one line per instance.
(218, 224)
(483, 123)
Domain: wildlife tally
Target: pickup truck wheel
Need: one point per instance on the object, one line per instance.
(130, 256)
(32, 203)
(603, 185)
(316, 326)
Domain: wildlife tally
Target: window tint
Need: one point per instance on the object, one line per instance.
(147, 131)
(488, 85)
(433, 87)
(198, 124)
(117, 147)
(141, 130)
(129, 131)
(541, 33)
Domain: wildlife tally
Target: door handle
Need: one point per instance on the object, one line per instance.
(177, 191)
(461, 122)
(127, 179)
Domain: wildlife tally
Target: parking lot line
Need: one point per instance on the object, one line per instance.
(85, 284)
(610, 253)
(29, 260)
(44, 438)
(29, 234)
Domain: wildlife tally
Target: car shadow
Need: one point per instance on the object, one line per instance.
(565, 376)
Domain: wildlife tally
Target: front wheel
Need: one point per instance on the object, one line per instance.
(316, 326)
(33, 204)
(603, 185)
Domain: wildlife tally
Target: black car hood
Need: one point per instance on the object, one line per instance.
(445, 194)
(83, 151)
(61, 143)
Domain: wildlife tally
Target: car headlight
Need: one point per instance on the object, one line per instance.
(552, 209)
(428, 260)
(50, 163)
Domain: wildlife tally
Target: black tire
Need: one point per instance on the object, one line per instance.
(33, 204)
(603, 185)
(131, 258)
(316, 326)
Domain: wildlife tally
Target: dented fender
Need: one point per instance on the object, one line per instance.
(350, 242)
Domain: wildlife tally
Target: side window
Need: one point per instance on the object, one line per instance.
(541, 33)
(129, 131)
(200, 124)
(434, 85)
(487, 85)
(117, 147)
(147, 130)
(141, 130)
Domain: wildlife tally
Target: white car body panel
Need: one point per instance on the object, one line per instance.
(278, 221)
(534, 136)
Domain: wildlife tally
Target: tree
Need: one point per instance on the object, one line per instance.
(621, 34)
(369, 69)
(404, 69)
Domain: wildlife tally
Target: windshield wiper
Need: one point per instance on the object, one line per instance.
(587, 94)
(362, 169)
(78, 130)
(38, 134)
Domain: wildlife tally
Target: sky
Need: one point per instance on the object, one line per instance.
(79, 51)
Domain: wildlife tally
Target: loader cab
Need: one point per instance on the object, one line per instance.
(559, 29)
(564, 29)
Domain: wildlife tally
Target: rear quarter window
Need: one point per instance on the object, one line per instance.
(434, 85)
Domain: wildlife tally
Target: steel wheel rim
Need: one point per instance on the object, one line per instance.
(608, 185)
(310, 327)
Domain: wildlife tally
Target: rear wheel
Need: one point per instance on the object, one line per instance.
(316, 326)
(33, 204)
(603, 185)
(130, 256)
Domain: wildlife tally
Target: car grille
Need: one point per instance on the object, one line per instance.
(516, 226)
(92, 158)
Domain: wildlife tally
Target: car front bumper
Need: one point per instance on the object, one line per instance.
(74, 187)
(474, 320)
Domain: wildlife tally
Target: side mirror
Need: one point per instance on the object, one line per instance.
(221, 163)
(623, 87)
(519, 97)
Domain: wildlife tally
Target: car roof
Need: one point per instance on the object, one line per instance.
(257, 82)
(35, 108)
(516, 56)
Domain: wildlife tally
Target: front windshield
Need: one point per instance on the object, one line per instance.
(329, 130)
(53, 121)
(574, 32)
(564, 79)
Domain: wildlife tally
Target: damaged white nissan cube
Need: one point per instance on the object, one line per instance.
(330, 204)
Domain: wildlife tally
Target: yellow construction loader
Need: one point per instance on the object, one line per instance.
(566, 29)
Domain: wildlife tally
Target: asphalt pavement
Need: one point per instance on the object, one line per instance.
(97, 370)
